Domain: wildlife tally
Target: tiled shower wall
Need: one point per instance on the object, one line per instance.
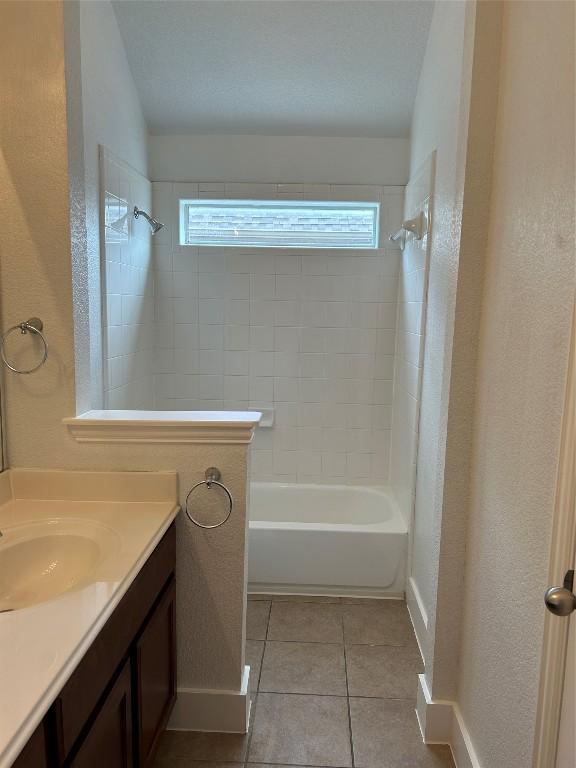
(308, 334)
(127, 287)
(411, 322)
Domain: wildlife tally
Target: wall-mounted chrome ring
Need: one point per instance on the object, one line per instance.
(33, 325)
(212, 477)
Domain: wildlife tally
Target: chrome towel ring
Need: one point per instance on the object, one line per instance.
(212, 477)
(33, 325)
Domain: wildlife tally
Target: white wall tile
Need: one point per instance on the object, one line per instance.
(311, 334)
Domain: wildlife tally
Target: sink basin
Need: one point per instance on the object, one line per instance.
(41, 560)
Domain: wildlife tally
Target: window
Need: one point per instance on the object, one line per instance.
(279, 224)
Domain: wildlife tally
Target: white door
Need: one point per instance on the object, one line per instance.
(566, 756)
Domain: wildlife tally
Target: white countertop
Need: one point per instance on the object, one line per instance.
(40, 646)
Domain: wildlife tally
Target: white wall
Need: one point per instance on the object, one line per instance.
(309, 334)
(280, 159)
(127, 287)
(524, 341)
(438, 125)
(111, 117)
(410, 337)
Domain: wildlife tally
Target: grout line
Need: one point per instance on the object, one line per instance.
(268, 621)
(338, 696)
(332, 642)
(348, 696)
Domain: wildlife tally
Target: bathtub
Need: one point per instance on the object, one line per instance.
(325, 540)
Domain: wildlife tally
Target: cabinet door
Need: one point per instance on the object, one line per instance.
(34, 753)
(108, 743)
(156, 675)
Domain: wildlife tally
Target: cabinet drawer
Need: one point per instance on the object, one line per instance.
(108, 743)
(155, 659)
(79, 697)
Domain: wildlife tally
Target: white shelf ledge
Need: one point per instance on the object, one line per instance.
(221, 427)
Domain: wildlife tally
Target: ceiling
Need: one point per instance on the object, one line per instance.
(279, 67)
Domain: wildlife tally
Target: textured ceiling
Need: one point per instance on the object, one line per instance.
(285, 67)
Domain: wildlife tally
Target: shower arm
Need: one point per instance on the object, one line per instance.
(155, 225)
(138, 213)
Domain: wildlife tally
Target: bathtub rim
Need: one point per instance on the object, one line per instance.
(396, 524)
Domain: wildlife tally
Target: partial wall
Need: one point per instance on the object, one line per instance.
(127, 286)
(37, 278)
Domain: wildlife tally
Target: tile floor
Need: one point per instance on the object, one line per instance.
(333, 684)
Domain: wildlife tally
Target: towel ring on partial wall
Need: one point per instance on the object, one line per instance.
(33, 325)
(212, 477)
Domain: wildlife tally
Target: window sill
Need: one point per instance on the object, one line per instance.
(216, 427)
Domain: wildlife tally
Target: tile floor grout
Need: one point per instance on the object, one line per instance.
(348, 697)
(321, 642)
(337, 695)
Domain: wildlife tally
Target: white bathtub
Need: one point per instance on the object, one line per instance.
(334, 539)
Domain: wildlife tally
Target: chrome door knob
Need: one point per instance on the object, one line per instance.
(560, 601)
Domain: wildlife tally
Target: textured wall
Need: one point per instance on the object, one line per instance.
(36, 278)
(524, 339)
(455, 113)
(439, 123)
(109, 114)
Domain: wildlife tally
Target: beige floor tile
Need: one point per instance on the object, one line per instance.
(257, 596)
(177, 747)
(254, 652)
(385, 671)
(257, 613)
(304, 668)
(305, 622)
(184, 762)
(301, 730)
(385, 734)
(375, 601)
(385, 624)
(305, 599)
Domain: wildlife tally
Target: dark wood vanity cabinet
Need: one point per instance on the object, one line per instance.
(114, 707)
(109, 740)
(155, 668)
(34, 754)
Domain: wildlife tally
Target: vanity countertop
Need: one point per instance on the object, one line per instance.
(41, 645)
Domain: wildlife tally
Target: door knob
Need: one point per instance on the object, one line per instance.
(561, 601)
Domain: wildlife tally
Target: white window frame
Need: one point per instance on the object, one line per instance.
(373, 206)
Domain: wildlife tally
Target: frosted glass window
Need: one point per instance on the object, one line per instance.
(279, 224)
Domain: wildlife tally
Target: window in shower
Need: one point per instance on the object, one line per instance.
(279, 224)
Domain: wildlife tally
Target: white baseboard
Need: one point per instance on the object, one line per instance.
(199, 709)
(417, 613)
(434, 717)
(462, 748)
(441, 722)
